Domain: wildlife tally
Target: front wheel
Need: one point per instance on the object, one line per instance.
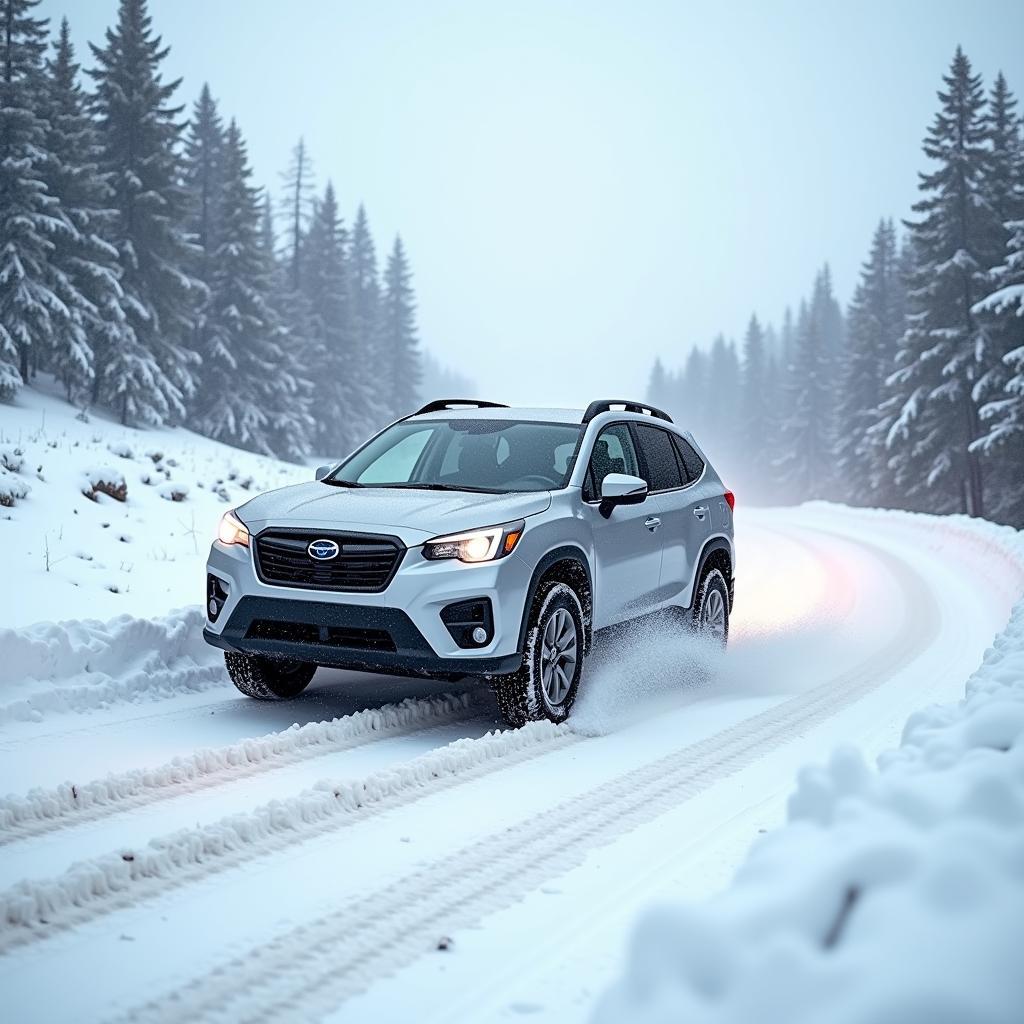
(545, 687)
(268, 678)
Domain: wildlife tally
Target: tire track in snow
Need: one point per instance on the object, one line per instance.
(306, 972)
(32, 910)
(42, 811)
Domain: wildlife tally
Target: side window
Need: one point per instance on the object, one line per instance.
(692, 462)
(662, 466)
(398, 462)
(613, 453)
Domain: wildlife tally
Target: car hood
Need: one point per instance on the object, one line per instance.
(412, 515)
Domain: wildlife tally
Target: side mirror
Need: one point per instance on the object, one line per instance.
(322, 471)
(621, 489)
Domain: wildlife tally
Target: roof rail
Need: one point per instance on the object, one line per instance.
(441, 404)
(605, 405)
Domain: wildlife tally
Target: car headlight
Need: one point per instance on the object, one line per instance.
(477, 545)
(232, 530)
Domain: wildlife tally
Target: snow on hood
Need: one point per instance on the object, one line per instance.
(413, 515)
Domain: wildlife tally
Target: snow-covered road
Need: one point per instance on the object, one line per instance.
(206, 861)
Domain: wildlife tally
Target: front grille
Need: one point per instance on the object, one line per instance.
(365, 563)
(353, 637)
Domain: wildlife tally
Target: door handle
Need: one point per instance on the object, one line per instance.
(652, 523)
(700, 511)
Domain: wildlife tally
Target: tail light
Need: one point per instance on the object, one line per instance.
(731, 499)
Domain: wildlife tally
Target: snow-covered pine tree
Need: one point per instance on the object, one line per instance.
(805, 445)
(752, 426)
(658, 386)
(931, 415)
(874, 327)
(31, 313)
(297, 208)
(152, 373)
(249, 394)
(366, 317)
(692, 389)
(1001, 315)
(204, 153)
(400, 359)
(341, 391)
(721, 405)
(83, 262)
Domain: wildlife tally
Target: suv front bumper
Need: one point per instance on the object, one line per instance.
(398, 630)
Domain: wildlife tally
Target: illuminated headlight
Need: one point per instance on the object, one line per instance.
(232, 530)
(477, 545)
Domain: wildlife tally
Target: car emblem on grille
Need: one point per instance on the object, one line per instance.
(323, 550)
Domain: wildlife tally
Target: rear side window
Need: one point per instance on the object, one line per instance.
(692, 462)
(662, 466)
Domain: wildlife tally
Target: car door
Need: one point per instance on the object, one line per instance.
(627, 548)
(685, 512)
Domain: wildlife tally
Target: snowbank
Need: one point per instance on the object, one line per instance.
(80, 666)
(892, 896)
(100, 519)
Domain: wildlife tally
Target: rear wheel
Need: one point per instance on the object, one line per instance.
(711, 609)
(546, 684)
(268, 678)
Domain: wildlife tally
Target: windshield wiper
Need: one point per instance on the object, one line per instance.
(445, 487)
(338, 482)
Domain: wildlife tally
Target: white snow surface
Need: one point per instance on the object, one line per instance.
(895, 893)
(75, 557)
(379, 849)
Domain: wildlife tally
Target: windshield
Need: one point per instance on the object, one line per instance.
(495, 456)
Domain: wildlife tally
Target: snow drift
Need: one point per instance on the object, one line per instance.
(892, 895)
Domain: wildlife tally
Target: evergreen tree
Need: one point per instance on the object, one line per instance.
(691, 402)
(250, 394)
(298, 196)
(31, 312)
(805, 458)
(82, 261)
(721, 406)
(343, 397)
(932, 417)
(365, 287)
(999, 316)
(204, 180)
(875, 325)
(659, 390)
(399, 344)
(151, 373)
(754, 411)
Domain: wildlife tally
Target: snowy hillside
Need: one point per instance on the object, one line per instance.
(99, 520)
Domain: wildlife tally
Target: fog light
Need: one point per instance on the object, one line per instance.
(216, 596)
(480, 635)
(214, 607)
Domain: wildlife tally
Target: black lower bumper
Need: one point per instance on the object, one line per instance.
(358, 637)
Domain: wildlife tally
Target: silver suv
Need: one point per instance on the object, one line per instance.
(472, 539)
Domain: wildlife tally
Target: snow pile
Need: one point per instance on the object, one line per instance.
(91, 884)
(892, 896)
(80, 666)
(113, 792)
(100, 519)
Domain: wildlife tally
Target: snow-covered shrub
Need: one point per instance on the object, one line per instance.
(121, 449)
(173, 492)
(104, 480)
(12, 488)
(891, 896)
(11, 458)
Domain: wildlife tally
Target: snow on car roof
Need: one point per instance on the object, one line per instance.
(538, 415)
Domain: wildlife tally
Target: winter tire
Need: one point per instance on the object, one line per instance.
(268, 678)
(546, 684)
(711, 609)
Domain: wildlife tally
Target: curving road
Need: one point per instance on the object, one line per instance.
(443, 874)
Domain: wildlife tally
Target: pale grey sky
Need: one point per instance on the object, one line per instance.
(582, 186)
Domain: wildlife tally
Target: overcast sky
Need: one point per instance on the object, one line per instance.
(582, 186)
